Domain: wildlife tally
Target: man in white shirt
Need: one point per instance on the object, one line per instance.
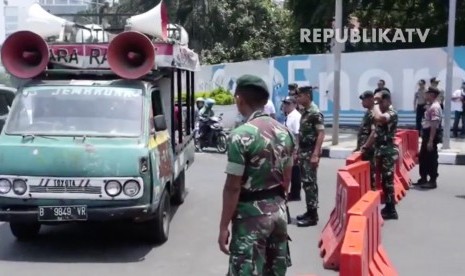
(293, 124)
(270, 110)
(457, 106)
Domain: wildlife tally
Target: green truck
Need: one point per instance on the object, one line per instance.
(96, 142)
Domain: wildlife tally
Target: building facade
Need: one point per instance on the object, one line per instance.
(13, 13)
(65, 6)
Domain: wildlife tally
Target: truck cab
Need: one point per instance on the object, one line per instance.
(99, 143)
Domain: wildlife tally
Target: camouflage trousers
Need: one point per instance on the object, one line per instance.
(260, 245)
(309, 182)
(369, 155)
(386, 163)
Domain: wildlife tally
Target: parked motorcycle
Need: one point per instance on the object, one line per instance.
(218, 137)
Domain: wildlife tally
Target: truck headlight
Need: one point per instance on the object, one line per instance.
(131, 188)
(5, 186)
(19, 186)
(113, 188)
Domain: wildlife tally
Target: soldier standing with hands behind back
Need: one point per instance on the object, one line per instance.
(386, 152)
(258, 175)
(311, 136)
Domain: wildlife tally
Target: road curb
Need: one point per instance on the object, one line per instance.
(446, 158)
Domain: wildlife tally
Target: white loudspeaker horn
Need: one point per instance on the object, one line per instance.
(153, 22)
(43, 23)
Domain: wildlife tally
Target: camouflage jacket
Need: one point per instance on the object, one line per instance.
(365, 129)
(385, 135)
(311, 121)
(259, 150)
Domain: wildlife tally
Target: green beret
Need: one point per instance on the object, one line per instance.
(251, 80)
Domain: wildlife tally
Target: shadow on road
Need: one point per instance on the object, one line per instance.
(460, 196)
(79, 243)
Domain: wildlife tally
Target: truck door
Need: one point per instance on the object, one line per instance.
(160, 146)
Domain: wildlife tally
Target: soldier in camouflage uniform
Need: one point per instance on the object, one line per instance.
(366, 134)
(311, 136)
(386, 152)
(258, 177)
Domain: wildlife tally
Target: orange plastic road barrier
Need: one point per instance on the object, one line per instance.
(413, 146)
(354, 157)
(360, 171)
(362, 252)
(401, 170)
(409, 146)
(399, 190)
(347, 194)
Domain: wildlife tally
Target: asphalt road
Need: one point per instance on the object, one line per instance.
(425, 241)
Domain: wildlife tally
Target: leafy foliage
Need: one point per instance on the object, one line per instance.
(238, 30)
(220, 95)
(421, 14)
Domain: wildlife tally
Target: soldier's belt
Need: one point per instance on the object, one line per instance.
(260, 195)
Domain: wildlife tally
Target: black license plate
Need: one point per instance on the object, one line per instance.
(62, 213)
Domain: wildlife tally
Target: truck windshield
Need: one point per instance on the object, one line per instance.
(77, 110)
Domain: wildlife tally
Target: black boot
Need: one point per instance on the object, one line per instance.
(420, 181)
(310, 220)
(389, 212)
(303, 216)
(430, 184)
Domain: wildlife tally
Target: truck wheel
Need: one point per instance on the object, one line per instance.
(158, 228)
(179, 189)
(24, 231)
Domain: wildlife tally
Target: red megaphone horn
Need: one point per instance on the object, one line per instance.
(131, 55)
(25, 54)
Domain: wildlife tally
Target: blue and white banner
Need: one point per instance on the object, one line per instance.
(401, 69)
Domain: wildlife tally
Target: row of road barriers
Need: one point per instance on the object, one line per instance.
(351, 240)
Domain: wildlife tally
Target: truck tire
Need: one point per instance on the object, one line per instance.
(179, 189)
(24, 231)
(158, 228)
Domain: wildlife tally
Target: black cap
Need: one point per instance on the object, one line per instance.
(305, 90)
(433, 90)
(251, 80)
(384, 94)
(434, 80)
(367, 94)
(289, 99)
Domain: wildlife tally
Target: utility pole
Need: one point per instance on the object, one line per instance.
(449, 73)
(337, 74)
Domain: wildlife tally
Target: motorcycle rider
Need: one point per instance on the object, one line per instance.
(199, 102)
(204, 118)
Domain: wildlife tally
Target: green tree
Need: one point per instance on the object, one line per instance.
(227, 30)
(422, 14)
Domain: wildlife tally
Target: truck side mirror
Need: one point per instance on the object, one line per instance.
(160, 123)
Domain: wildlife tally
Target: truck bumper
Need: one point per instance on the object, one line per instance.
(137, 213)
